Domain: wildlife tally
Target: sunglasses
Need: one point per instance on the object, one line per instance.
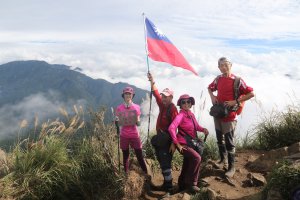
(186, 101)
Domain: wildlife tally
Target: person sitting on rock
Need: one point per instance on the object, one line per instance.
(187, 126)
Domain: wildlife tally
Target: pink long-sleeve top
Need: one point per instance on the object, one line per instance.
(184, 123)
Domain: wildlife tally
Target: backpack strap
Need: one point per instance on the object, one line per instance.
(236, 85)
(169, 113)
(217, 79)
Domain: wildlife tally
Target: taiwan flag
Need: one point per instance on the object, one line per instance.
(160, 48)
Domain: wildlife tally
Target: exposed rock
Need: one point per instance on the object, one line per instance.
(267, 161)
(210, 170)
(178, 196)
(133, 185)
(293, 157)
(294, 148)
(257, 179)
(212, 195)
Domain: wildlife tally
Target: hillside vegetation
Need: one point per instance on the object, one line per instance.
(55, 162)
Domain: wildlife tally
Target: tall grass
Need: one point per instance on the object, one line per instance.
(211, 150)
(56, 166)
(40, 171)
(276, 130)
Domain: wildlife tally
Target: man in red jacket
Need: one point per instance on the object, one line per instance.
(162, 143)
(225, 127)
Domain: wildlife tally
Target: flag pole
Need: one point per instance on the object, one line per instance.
(147, 57)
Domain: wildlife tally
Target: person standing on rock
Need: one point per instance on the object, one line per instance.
(128, 117)
(162, 143)
(187, 126)
(227, 96)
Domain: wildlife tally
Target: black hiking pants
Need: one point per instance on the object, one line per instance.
(164, 157)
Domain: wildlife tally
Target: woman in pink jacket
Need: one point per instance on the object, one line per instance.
(187, 125)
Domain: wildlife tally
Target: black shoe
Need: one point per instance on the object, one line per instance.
(194, 189)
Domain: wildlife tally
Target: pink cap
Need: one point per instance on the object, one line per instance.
(128, 90)
(167, 92)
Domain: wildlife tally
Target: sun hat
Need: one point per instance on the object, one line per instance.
(185, 96)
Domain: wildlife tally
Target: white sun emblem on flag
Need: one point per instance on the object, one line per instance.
(159, 32)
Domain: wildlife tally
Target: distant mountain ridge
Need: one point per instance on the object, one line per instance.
(19, 79)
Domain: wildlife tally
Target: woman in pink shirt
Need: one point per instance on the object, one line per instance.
(187, 125)
(128, 114)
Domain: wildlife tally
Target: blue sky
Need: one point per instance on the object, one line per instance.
(106, 40)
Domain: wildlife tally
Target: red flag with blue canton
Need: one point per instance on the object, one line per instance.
(160, 48)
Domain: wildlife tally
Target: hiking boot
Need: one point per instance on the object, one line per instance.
(222, 164)
(194, 189)
(167, 186)
(231, 170)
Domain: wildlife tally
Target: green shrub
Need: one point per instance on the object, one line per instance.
(40, 171)
(278, 130)
(284, 178)
(58, 166)
(98, 177)
(202, 195)
(211, 150)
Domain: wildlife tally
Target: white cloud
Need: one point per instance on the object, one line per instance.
(39, 105)
(107, 41)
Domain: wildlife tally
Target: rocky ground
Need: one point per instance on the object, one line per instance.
(252, 168)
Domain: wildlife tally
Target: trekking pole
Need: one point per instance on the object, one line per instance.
(149, 115)
(116, 120)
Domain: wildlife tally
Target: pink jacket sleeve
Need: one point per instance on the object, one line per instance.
(173, 127)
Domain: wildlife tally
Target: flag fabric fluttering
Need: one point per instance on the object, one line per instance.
(160, 48)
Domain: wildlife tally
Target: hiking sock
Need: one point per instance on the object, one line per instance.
(126, 160)
(140, 158)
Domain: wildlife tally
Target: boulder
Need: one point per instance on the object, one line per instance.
(294, 148)
(257, 179)
(266, 161)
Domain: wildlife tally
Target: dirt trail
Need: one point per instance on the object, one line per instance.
(238, 188)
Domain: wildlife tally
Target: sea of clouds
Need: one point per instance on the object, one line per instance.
(261, 38)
